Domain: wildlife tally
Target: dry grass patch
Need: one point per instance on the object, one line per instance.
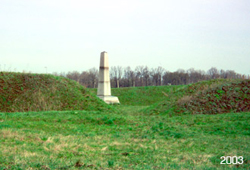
(9, 133)
(29, 154)
(184, 100)
(8, 150)
(115, 143)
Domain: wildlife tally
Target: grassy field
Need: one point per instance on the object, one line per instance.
(133, 135)
(129, 140)
(142, 96)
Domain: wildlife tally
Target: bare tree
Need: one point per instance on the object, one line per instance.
(113, 76)
(170, 78)
(146, 75)
(195, 75)
(223, 74)
(230, 74)
(154, 75)
(160, 71)
(119, 75)
(93, 76)
(116, 73)
(143, 76)
(213, 72)
(75, 75)
(166, 78)
(84, 79)
(62, 74)
(128, 76)
(132, 75)
(139, 75)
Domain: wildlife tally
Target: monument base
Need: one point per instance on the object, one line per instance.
(110, 99)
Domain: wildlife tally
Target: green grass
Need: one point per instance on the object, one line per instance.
(151, 129)
(142, 96)
(73, 139)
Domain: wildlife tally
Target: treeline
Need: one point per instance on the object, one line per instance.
(145, 76)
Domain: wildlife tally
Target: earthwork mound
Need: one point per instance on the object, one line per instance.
(228, 97)
(21, 92)
(206, 97)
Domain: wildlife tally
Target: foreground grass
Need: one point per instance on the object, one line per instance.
(94, 139)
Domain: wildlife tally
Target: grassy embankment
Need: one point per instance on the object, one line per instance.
(137, 137)
(40, 92)
(206, 97)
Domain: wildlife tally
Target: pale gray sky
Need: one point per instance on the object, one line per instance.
(69, 35)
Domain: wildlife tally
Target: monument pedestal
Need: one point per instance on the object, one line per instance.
(110, 99)
(104, 90)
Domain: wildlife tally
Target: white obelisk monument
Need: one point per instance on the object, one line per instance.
(104, 90)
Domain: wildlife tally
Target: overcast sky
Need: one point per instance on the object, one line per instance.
(69, 35)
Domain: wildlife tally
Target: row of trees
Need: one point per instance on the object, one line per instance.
(144, 76)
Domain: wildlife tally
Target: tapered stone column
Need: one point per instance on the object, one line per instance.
(104, 90)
